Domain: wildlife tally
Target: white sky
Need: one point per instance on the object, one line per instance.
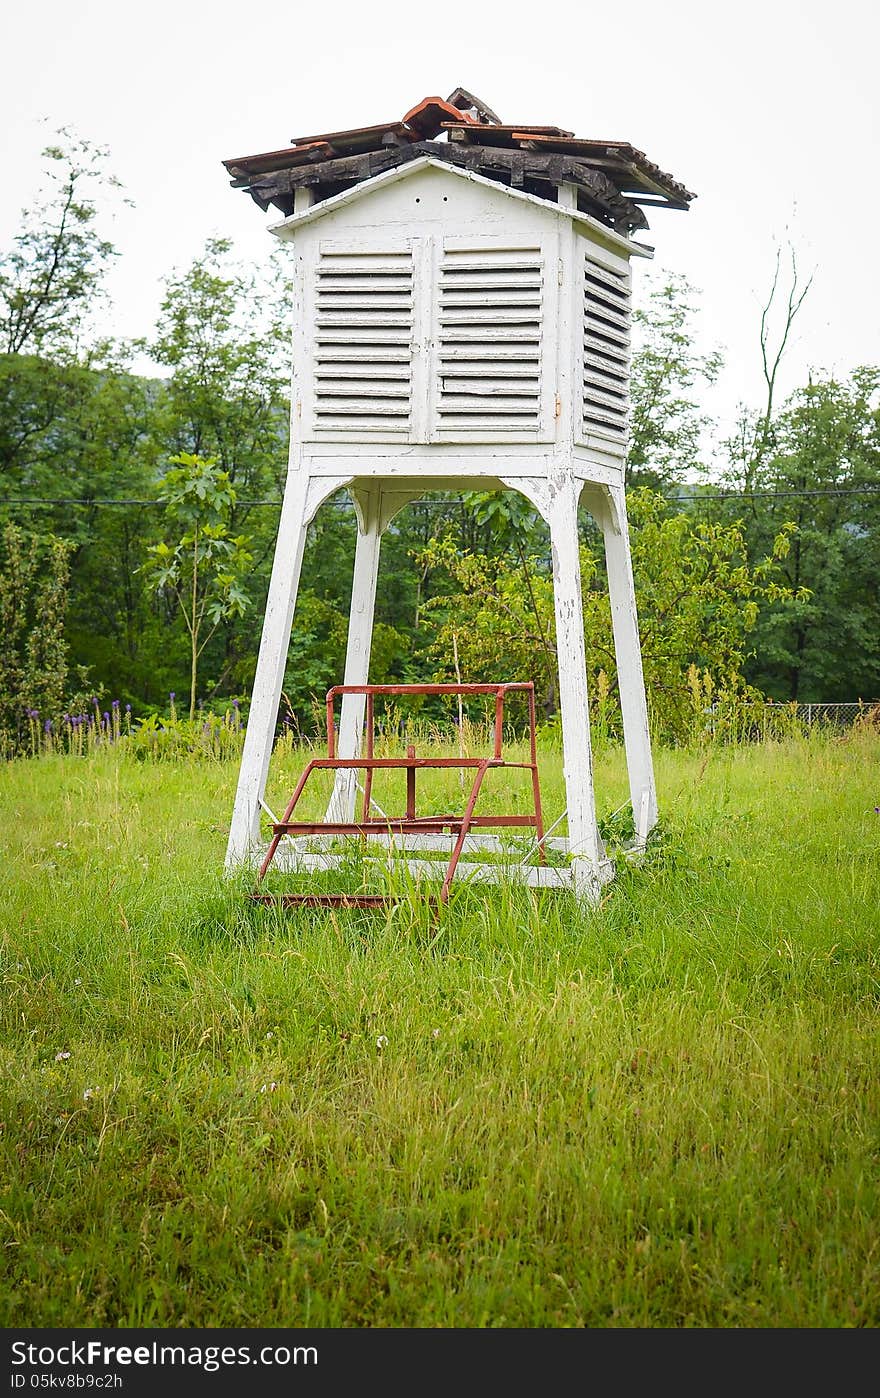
(768, 111)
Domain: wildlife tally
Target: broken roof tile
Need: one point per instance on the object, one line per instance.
(427, 118)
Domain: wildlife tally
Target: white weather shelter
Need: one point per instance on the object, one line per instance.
(451, 332)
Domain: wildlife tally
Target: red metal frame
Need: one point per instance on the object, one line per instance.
(410, 822)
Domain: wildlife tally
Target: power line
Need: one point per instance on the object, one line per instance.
(85, 501)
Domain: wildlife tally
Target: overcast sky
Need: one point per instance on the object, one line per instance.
(768, 111)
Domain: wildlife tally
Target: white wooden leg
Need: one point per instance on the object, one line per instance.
(357, 656)
(585, 847)
(630, 677)
(245, 829)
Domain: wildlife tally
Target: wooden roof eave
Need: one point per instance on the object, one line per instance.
(288, 227)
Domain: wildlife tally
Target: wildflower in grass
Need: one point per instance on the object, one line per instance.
(269, 1087)
(115, 704)
(128, 708)
(47, 726)
(62, 1055)
(435, 1033)
(90, 1092)
(382, 1042)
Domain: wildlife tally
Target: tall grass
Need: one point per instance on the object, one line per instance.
(662, 1112)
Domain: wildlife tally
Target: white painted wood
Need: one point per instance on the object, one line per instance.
(289, 227)
(611, 513)
(441, 843)
(585, 849)
(449, 334)
(533, 875)
(357, 656)
(245, 827)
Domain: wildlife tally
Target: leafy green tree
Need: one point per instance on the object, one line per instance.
(224, 336)
(202, 571)
(53, 273)
(667, 423)
(821, 472)
(699, 601)
(34, 670)
(223, 342)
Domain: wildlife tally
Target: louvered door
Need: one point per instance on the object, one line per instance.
(362, 344)
(606, 313)
(489, 343)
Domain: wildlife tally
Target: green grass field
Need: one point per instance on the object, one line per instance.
(662, 1113)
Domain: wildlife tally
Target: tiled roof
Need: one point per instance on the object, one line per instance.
(614, 179)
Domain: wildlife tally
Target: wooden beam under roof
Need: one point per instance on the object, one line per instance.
(519, 166)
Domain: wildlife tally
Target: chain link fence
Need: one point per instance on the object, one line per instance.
(836, 715)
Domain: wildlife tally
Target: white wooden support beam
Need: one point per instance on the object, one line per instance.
(244, 831)
(610, 508)
(357, 656)
(585, 848)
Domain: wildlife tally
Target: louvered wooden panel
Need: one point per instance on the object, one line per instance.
(363, 343)
(606, 353)
(490, 328)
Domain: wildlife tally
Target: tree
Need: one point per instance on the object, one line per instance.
(51, 277)
(666, 421)
(820, 471)
(224, 334)
(699, 602)
(202, 571)
(34, 573)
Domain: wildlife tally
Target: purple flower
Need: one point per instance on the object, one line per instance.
(47, 726)
(128, 708)
(106, 716)
(115, 704)
(235, 703)
(172, 696)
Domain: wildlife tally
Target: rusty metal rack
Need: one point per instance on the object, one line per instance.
(410, 824)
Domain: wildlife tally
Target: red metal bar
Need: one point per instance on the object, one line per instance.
(331, 729)
(326, 900)
(465, 824)
(368, 775)
(410, 823)
(499, 721)
(279, 828)
(368, 763)
(427, 688)
(536, 785)
(420, 825)
(410, 784)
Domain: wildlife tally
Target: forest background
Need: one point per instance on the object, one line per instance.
(138, 514)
